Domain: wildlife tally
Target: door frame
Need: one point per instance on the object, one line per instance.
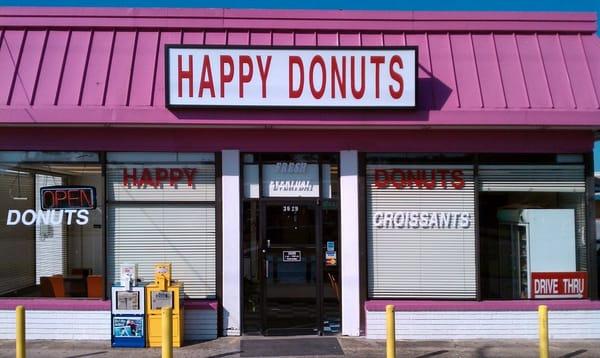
(316, 203)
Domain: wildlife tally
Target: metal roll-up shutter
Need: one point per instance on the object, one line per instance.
(535, 178)
(432, 260)
(167, 222)
(183, 235)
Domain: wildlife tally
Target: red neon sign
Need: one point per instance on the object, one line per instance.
(68, 197)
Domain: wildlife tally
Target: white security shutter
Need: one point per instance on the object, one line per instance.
(536, 178)
(423, 262)
(183, 235)
(148, 224)
(202, 188)
(17, 242)
(50, 240)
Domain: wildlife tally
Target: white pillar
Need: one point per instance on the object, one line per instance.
(231, 242)
(350, 244)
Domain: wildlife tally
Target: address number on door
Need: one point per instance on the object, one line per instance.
(290, 208)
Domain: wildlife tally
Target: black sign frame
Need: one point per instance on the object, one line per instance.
(91, 189)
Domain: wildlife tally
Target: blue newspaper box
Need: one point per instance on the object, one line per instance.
(128, 323)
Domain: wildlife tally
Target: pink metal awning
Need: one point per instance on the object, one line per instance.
(85, 66)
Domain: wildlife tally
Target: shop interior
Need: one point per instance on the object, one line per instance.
(54, 259)
(506, 234)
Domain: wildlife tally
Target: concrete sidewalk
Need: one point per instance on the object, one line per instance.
(352, 347)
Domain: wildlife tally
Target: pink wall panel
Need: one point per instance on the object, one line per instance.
(97, 68)
(465, 70)
(215, 37)
(556, 72)
(444, 87)
(283, 38)
(305, 38)
(327, 39)
(50, 71)
(425, 81)
(121, 65)
(193, 37)
(12, 41)
(350, 39)
(172, 38)
(578, 71)
(280, 140)
(489, 73)
(72, 77)
(372, 39)
(511, 71)
(534, 72)
(143, 69)
(28, 68)
(591, 46)
(238, 38)
(394, 39)
(260, 38)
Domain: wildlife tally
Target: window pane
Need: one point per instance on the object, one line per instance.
(52, 235)
(527, 233)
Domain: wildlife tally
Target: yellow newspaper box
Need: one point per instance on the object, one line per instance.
(163, 292)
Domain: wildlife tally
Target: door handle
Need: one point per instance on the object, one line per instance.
(266, 268)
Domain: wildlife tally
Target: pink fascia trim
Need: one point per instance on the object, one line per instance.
(516, 305)
(55, 304)
(65, 115)
(298, 19)
(294, 140)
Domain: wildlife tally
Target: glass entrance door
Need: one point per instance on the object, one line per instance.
(291, 273)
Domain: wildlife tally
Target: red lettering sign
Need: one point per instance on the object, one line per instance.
(301, 77)
(419, 178)
(157, 177)
(68, 197)
(559, 285)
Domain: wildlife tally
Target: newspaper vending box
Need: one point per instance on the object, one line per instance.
(164, 292)
(127, 312)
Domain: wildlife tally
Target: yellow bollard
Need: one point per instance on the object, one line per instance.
(391, 332)
(20, 331)
(543, 331)
(167, 332)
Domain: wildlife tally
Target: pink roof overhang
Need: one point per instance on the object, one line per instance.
(105, 67)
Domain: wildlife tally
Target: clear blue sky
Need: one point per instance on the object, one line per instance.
(491, 5)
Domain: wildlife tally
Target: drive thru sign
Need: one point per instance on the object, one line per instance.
(559, 285)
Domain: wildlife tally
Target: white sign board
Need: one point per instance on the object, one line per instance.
(291, 180)
(291, 77)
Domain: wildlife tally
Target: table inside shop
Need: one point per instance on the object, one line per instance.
(75, 285)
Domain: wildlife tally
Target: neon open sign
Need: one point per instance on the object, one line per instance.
(68, 197)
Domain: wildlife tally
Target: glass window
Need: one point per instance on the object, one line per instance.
(52, 235)
(288, 175)
(161, 208)
(525, 234)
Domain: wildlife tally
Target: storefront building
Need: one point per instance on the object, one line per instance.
(301, 169)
